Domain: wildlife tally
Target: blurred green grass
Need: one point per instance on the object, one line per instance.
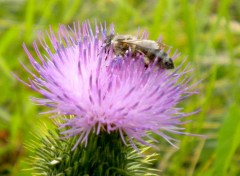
(208, 32)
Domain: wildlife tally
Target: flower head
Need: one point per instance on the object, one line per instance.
(97, 91)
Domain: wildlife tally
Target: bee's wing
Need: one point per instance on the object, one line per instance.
(124, 37)
(147, 44)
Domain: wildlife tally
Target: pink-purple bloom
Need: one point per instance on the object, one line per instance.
(93, 90)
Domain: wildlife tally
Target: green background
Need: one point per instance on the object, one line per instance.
(205, 31)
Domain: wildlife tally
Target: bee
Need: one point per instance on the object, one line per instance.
(151, 50)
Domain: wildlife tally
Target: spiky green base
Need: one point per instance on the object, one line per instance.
(105, 155)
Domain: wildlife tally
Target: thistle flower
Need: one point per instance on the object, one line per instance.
(98, 92)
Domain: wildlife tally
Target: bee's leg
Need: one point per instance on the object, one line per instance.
(146, 61)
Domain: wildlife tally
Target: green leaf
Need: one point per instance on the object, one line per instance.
(229, 140)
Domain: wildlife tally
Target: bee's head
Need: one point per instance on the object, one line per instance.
(108, 39)
(164, 61)
(168, 63)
